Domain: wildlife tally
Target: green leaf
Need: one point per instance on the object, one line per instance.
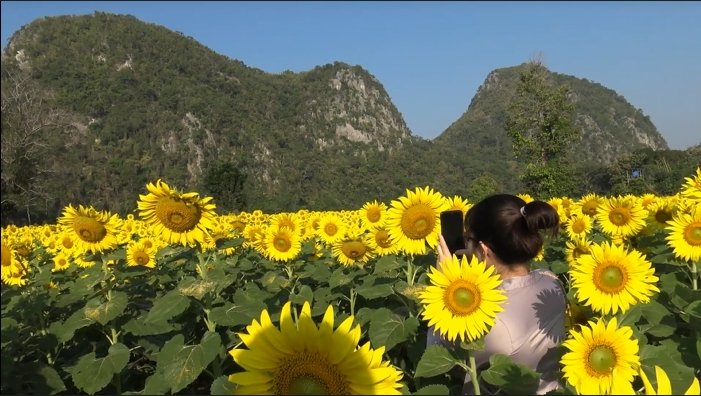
(389, 329)
(45, 380)
(64, 331)
(103, 312)
(190, 361)
(167, 306)
(694, 309)
(513, 378)
(319, 273)
(435, 389)
(376, 291)
(387, 266)
(339, 278)
(139, 327)
(436, 360)
(222, 386)
(559, 267)
(305, 294)
(196, 288)
(91, 374)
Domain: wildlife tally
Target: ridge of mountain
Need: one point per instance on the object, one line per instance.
(141, 102)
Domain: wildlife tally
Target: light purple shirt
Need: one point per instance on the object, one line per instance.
(529, 329)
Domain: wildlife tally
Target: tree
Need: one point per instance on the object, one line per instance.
(28, 122)
(224, 182)
(540, 123)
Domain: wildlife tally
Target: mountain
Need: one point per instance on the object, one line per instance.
(118, 103)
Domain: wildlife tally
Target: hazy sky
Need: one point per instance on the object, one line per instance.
(431, 57)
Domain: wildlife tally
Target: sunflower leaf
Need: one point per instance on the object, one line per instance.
(435, 389)
(436, 360)
(512, 378)
(167, 306)
(92, 374)
(103, 312)
(64, 331)
(190, 360)
(389, 329)
(222, 386)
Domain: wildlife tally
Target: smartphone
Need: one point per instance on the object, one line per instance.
(452, 229)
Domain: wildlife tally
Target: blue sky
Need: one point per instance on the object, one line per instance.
(431, 57)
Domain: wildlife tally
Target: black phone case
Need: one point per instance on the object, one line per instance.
(452, 229)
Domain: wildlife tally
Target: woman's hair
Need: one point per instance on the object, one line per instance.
(510, 227)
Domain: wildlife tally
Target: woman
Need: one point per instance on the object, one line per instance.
(506, 232)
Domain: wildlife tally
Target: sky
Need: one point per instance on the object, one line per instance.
(431, 57)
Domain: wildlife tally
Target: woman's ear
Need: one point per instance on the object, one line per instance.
(485, 250)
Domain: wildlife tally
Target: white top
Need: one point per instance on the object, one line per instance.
(529, 329)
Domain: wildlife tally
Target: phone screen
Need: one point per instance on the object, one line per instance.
(452, 229)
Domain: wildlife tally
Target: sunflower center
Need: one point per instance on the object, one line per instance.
(662, 216)
(589, 208)
(418, 221)
(462, 297)
(309, 373)
(602, 359)
(382, 239)
(610, 278)
(579, 251)
(67, 242)
(578, 226)
(619, 216)
(141, 258)
(692, 233)
(177, 215)
(282, 244)
(373, 215)
(6, 256)
(354, 249)
(330, 229)
(89, 229)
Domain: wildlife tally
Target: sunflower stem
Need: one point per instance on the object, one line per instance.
(694, 276)
(353, 293)
(410, 270)
(473, 372)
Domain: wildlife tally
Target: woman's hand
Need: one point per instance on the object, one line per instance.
(442, 251)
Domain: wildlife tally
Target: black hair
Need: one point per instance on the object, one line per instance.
(510, 227)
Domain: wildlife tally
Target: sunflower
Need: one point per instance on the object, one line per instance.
(352, 249)
(176, 217)
(254, 235)
(331, 228)
(692, 187)
(685, 234)
(575, 248)
(611, 279)
(286, 219)
(303, 358)
(281, 243)
(380, 242)
(602, 359)
(413, 220)
(578, 226)
(373, 214)
(660, 213)
(621, 216)
(457, 202)
(140, 255)
(91, 230)
(61, 262)
(588, 204)
(664, 387)
(462, 299)
(9, 258)
(525, 197)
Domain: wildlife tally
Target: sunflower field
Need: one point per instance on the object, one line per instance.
(178, 299)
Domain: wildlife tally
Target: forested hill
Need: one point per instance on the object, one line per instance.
(94, 107)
